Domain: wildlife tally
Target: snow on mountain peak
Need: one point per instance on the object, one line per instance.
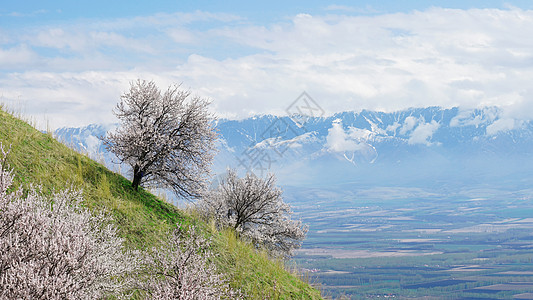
(358, 140)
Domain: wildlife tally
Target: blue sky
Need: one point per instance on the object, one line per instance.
(260, 11)
(65, 63)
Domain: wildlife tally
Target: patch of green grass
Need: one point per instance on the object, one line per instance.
(142, 218)
(255, 273)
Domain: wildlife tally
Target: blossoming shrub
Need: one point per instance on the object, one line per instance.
(254, 207)
(53, 248)
(182, 269)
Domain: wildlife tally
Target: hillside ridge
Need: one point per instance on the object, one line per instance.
(142, 218)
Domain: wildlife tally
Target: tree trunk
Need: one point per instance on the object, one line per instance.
(137, 176)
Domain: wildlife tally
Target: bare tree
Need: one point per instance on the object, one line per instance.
(255, 208)
(182, 269)
(167, 138)
(56, 249)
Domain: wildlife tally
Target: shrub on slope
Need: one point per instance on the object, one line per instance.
(56, 249)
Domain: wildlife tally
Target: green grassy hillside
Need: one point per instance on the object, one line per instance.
(143, 219)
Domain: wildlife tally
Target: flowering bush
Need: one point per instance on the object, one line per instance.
(182, 269)
(56, 249)
(255, 208)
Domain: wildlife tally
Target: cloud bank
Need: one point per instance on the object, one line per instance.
(72, 73)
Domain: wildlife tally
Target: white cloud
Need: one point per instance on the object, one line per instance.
(442, 57)
(17, 56)
(423, 133)
(184, 36)
(393, 127)
(64, 99)
(408, 125)
(60, 38)
(468, 117)
(111, 39)
(338, 141)
(352, 144)
(30, 14)
(502, 125)
(81, 41)
(389, 62)
(352, 140)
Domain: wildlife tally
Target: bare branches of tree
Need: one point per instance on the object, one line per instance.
(167, 138)
(255, 208)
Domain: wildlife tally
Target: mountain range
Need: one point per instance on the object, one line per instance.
(421, 147)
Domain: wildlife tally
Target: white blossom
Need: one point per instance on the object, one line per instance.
(56, 249)
(183, 269)
(254, 207)
(167, 138)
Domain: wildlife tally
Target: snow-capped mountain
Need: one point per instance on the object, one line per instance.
(87, 140)
(415, 146)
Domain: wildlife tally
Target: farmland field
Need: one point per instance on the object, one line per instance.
(410, 242)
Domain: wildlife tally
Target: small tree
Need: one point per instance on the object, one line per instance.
(167, 138)
(56, 249)
(255, 208)
(182, 269)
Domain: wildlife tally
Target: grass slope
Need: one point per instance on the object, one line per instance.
(143, 219)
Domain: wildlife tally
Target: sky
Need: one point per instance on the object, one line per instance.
(66, 63)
